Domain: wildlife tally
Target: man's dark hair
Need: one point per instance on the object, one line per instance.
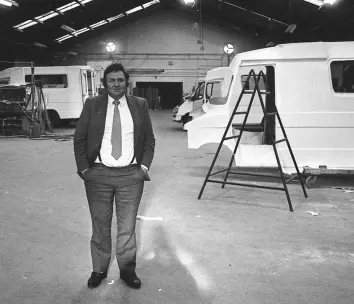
(114, 67)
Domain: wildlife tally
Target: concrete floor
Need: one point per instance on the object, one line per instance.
(235, 245)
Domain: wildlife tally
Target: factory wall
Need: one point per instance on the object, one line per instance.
(168, 46)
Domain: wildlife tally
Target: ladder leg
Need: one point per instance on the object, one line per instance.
(211, 167)
(292, 157)
(228, 169)
(283, 179)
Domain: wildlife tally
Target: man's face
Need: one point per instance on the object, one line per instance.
(116, 84)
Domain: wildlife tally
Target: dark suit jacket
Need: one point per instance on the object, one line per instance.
(90, 128)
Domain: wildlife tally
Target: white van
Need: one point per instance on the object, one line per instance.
(312, 85)
(190, 103)
(65, 88)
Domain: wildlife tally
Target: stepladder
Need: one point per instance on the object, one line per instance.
(269, 117)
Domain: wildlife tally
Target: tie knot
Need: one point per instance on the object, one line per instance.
(116, 102)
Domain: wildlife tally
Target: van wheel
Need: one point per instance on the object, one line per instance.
(54, 119)
(185, 119)
(65, 122)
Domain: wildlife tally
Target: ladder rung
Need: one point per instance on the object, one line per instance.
(279, 141)
(240, 113)
(271, 114)
(231, 137)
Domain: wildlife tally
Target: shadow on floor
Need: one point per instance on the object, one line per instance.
(169, 274)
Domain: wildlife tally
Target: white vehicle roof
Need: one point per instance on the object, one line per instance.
(302, 51)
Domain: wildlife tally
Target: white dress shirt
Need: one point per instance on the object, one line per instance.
(127, 135)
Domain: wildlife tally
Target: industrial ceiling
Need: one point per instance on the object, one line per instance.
(271, 21)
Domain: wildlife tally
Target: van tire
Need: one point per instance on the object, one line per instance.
(186, 118)
(54, 119)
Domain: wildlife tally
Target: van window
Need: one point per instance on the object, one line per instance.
(342, 73)
(50, 81)
(213, 89)
(5, 80)
(251, 83)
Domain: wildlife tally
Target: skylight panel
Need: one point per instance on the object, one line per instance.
(46, 16)
(22, 24)
(25, 24)
(150, 3)
(60, 39)
(138, 8)
(92, 26)
(85, 1)
(83, 30)
(67, 7)
(115, 17)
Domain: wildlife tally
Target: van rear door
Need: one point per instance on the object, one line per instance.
(84, 85)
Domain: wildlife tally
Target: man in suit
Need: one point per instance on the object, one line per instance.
(114, 146)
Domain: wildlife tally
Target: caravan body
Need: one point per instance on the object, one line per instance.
(65, 88)
(312, 85)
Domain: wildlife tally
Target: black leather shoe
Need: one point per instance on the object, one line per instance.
(96, 279)
(131, 279)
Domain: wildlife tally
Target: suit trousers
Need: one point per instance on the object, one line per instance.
(103, 186)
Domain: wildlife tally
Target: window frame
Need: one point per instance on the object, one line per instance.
(66, 83)
(219, 80)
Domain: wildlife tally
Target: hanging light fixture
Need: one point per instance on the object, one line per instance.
(321, 2)
(8, 2)
(110, 47)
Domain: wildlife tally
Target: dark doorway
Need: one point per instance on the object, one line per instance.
(170, 92)
(270, 106)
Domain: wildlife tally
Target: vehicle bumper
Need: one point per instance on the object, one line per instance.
(177, 118)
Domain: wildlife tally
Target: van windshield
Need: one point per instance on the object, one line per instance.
(199, 91)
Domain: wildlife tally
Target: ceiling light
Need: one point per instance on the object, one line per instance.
(92, 26)
(321, 2)
(329, 1)
(46, 16)
(85, 1)
(24, 25)
(60, 39)
(110, 47)
(189, 1)
(31, 22)
(4, 2)
(9, 2)
(115, 17)
(67, 7)
(138, 8)
(80, 31)
(150, 3)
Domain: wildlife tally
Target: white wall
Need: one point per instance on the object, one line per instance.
(166, 40)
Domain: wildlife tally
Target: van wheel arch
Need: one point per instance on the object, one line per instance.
(186, 118)
(54, 118)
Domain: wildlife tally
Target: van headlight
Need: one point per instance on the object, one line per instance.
(175, 110)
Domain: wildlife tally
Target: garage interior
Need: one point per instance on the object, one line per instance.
(235, 245)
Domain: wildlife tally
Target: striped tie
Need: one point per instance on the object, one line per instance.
(116, 138)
